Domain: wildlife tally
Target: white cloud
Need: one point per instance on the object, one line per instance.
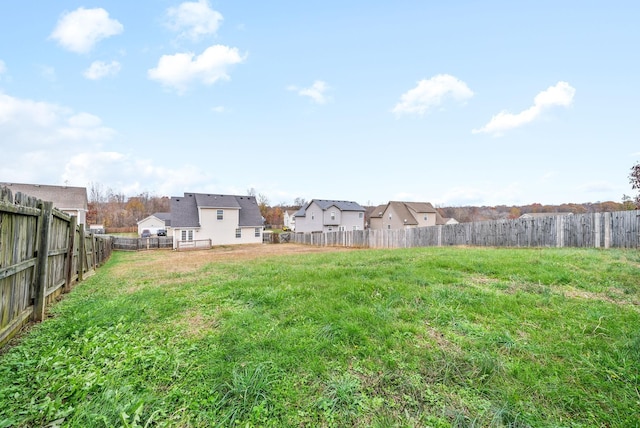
(316, 91)
(99, 69)
(180, 70)
(59, 145)
(597, 187)
(193, 20)
(35, 125)
(508, 193)
(559, 95)
(80, 30)
(432, 93)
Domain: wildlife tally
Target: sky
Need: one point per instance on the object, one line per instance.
(454, 103)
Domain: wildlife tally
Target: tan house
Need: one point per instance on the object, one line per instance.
(222, 219)
(321, 215)
(68, 199)
(403, 215)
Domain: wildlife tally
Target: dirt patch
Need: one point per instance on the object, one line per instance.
(160, 262)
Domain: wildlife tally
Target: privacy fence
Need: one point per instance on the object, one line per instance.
(43, 251)
(596, 230)
(139, 244)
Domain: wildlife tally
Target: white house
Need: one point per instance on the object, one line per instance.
(155, 222)
(322, 215)
(221, 219)
(289, 219)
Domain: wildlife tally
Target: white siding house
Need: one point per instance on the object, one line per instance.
(222, 219)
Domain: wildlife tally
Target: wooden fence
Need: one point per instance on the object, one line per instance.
(597, 230)
(139, 244)
(43, 251)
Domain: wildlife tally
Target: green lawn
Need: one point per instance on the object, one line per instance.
(440, 337)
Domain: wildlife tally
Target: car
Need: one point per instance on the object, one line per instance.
(162, 232)
(286, 229)
(145, 233)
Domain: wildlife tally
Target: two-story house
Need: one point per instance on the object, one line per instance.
(68, 199)
(222, 219)
(403, 215)
(322, 215)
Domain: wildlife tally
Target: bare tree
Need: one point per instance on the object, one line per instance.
(634, 180)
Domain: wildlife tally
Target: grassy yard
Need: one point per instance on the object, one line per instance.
(439, 337)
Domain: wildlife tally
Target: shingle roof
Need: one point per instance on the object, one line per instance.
(324, 204)
(63, 197)
(184, 209)
(163, 216)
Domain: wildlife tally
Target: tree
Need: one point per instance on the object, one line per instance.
(634, 180)
(299, 202)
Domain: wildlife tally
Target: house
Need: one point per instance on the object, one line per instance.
(222, 219)
(403, 215)
(445, 220)
(289, 219)
(155, 222)
(538, 215)
(71, 200)
(322, 215)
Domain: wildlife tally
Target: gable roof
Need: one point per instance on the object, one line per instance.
(325, 204)
(405, 210)
(184, 209)
(63, 197)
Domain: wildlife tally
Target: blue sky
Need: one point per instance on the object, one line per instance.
(454, 103)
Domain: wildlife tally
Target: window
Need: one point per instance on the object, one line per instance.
(426, 217)
(257, 233)
(360, 215)
(388, 226)
(313, 216)
(220, 214)
(355, 227)
(186, 235)
(333, 215)
(389, 216)
(238, 233)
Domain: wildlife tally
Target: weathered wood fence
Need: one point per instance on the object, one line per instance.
(597, 230)
(139, 244)
(43, 251)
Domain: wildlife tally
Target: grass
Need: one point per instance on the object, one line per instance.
(440, 337)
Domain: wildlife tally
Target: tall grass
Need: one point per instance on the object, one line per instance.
(442, 337)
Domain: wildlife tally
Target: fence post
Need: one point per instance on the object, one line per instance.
(607, 230)
(46, 217)
(70, 253)
(81, 255)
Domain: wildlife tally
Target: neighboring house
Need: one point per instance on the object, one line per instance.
(322, 215)
(445, 220)
(223, 219)
(71, 200)
(538, 215)
(289, 219)
(403, 215)
(154, 222)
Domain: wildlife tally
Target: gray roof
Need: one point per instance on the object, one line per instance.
(63, 197)
(184, 209)
(325, 204)
(162, 216)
